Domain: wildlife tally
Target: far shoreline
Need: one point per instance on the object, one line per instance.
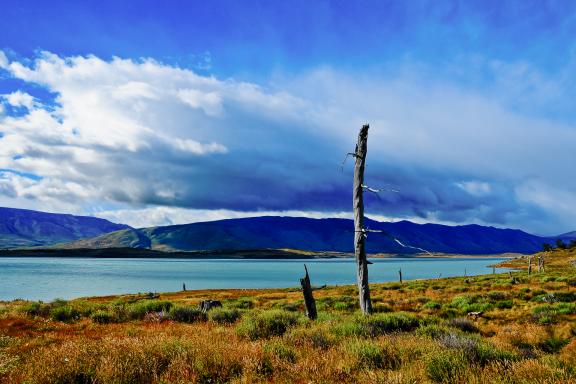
(248, 254)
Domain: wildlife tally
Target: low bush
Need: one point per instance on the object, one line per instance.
(186, 314)
(433, 305)
(35, 309)
(565, 297)
(239, 303)
(377, 324)
(446, 366)
(139, 309)
(556, 309)
(434, 331)
(475, 350)
(468, 303)
(504, 304)
(103, 317)
(381, 308)
(224, 316)
(64, 313)
(281, 351)
(317, 338)
(463, 324)
(553, 344)
(371, 355)
(266, 324)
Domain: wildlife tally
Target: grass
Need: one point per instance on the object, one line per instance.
(419, 333)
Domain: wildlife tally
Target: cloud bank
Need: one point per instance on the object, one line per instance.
(88, 135)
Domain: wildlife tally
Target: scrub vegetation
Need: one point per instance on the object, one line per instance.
(523, 331)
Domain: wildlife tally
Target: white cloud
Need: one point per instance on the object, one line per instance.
(20, 99)
(209, 102)
(141, 133)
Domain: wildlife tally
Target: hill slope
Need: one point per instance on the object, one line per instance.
(319, 235)
(25, 228)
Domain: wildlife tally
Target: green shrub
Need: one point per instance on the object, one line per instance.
(239, 303)
(553, 344)
(432, 305)
(338, 303)
(317, 338)
(463, 324)
(103, 317)
(186, 314)
(556, 309)
(497, 296)
(64, 313)
(381, 308)
(446, 366)
(565, 297)
(368, 354)
(377, 324)
(288, 306)
(280, 350)
(468, 303)
(434, 331)
(139, 309)
(35, 309)
(475, 350)
(224, 316)
(266, 324)
(504, 304)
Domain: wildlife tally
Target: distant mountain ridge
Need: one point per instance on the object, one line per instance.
(318, 235)
(21, 228)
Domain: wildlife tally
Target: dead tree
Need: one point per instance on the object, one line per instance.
(540, 263)
(309, 301)
(206, 305)
(359, 230)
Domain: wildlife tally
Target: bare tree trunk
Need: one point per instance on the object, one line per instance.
(309, 301)
(539, 263)
(359, 233)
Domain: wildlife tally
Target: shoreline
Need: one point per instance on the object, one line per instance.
(248, 254)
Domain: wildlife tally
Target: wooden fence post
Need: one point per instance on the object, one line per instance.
(529, 265)
(400, 273)
(359, 230)
(309, 301)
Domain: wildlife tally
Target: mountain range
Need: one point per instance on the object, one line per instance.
(23, 228)
(26, 228)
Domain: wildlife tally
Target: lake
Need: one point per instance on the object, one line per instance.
(47, 278)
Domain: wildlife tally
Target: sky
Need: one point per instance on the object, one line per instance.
(155, 113)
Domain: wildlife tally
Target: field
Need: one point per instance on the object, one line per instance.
(422, 331)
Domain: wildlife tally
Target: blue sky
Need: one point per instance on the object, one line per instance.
(155, 113)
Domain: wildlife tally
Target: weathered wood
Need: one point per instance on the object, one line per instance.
(206, 305)
(540, 263)
(529, 265)
(400, 274)
(359, 230)
(309, 301)
(184, 286)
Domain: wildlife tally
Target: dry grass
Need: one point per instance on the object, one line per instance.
(527, 334)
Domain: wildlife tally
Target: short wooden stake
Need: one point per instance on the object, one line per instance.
(309, 301)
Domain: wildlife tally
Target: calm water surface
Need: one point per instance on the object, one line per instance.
(46, 278)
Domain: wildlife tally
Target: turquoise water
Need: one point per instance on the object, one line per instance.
(35, 278)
